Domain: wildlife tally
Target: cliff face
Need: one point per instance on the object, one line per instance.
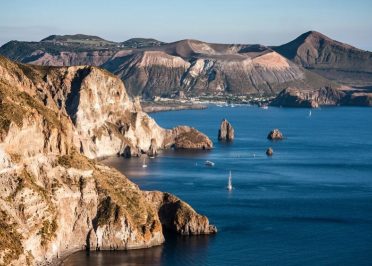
(178, 216)
(53, 199)
(151, 68)
(198, 68)
(332, 59)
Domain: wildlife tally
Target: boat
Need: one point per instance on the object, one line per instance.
(209, 163)
(144, 165)
(265, 107)
(229, 183)
(309, 113)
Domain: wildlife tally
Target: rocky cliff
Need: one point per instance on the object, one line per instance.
(197, 68)
(178, 216)
(54, 200)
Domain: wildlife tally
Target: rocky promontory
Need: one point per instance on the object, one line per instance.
(178, 216)
(327, 96)
(55, 198)
(185, 137)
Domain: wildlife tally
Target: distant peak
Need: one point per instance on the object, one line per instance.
(74, 37)
(142, 42)
(315, 34)
(139, 39)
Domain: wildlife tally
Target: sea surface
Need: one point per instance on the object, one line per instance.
(309, 204)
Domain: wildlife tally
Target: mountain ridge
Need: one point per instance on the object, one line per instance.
(198, 68)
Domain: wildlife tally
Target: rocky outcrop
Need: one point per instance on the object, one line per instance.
(293, 97)
(357, 98)
(184, 137)
(269, 152)
(178, 216)
(107, 122)
(54, 200)
(226, 131)
(153, 151)
(275, 134)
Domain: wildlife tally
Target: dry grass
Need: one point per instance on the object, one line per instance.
(10, 240)
(75, 160)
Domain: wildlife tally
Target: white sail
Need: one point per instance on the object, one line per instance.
(229, 184)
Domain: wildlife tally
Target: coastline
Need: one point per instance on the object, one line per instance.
(154, 107)
(199, 103)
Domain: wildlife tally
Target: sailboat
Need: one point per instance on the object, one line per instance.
(229, 183)
(309, 113)
(144, 165)
(209, 163)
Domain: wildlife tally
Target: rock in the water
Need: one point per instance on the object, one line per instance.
(152, 150)
(184, 137)
(176, 215)
(275, 135)
(269, 152)
(226, 131)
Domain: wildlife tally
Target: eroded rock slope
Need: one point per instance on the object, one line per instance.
(54, 198)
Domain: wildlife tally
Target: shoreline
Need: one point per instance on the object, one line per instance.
(155, 107)
(160, 104)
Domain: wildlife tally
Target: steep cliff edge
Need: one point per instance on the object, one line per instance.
(178, 216)
(53, 199)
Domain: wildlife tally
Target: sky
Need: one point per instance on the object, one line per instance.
(268, 22)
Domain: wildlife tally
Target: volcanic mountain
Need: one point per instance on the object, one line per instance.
(152, 68)
(332, 59)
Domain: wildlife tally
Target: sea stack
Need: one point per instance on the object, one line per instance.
(275, 134)
(153, 151)
(226, 131)
(269, 152)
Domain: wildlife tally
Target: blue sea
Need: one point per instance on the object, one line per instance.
(308, 204)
